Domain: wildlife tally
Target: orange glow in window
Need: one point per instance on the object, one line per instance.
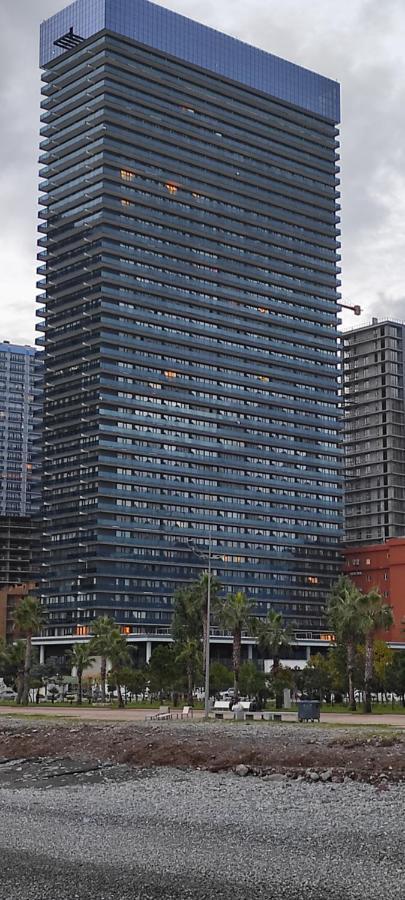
(170, 374)
(171, 188)
(126, 175)
(126, 629)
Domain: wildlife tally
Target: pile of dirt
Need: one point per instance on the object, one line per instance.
(288, 749)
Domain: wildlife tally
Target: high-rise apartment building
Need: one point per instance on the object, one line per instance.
(373, 379)
(18, 480)
(189, 276)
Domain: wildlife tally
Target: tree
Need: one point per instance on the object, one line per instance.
(162, 669)
(377, 616)
(187, 620)
(317, 676)
(383, 657)
(272, 639)
(346, 618)
(252, 683)
(12, 661)
(236, 615)
(29, 619)
(189, 653)
(396, 675)
(220, 677)
(119, 658)
(105, 633)
(134, 680)
(81, 659)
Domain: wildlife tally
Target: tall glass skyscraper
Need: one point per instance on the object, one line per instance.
(189, 275)
(19, 368)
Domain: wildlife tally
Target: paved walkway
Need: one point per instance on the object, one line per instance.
(138, 715)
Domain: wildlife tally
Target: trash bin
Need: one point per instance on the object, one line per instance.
(309, 710)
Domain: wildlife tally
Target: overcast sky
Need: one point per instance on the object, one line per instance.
(358, 42)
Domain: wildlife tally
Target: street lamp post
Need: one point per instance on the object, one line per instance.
(207, 637)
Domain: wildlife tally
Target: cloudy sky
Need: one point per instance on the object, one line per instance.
(358, 42)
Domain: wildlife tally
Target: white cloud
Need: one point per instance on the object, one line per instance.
(358, 42)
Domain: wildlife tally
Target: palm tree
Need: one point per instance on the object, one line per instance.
(81, 659)
(119, 657)
(346, 618)
(13, 656)
(186, 621)
(189, 653)
(29, 619)
(105, 633)
(236, 614)
(272, 638)
(378, 616)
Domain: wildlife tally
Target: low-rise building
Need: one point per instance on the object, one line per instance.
(11, 596)
(382, 566)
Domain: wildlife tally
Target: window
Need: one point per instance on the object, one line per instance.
(126, 175)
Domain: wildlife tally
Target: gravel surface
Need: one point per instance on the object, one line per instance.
(165, 834)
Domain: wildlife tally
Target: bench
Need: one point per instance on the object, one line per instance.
(164, 713)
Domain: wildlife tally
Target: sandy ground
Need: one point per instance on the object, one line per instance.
(139, 715)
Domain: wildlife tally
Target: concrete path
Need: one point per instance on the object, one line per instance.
(138, 715)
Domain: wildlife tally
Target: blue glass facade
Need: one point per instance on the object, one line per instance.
(189, 275)
(19, 495)
(161, 29)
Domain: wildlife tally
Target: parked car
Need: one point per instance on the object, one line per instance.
(7, 694)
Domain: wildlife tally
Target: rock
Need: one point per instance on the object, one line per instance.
(242, 770)
(276, 776)
(314, 776)
(327, 775)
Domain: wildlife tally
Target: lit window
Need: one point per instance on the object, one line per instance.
(125, 203)
(171, 187)
(82, 630)
(126, 175)
(264, 378)
(262, 309)
(126, 629)
(312, 579)
(170, 374)
(327, 637)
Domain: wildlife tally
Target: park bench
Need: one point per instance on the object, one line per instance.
(164, 713)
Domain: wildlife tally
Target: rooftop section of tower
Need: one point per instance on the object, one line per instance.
(166, 31)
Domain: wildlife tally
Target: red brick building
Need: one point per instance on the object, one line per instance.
(382, 566)
(10, 597)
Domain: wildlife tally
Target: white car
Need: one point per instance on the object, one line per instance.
(7, 694)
